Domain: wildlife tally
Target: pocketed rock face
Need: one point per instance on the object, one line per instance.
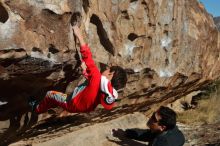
(169, 47)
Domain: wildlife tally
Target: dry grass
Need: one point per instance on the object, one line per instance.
(208, 110)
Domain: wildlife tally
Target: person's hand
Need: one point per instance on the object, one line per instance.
(119, 133)
(83, 65)
(76, 18)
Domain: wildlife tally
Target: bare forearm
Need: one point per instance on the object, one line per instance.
(81, 40)
(79, 35)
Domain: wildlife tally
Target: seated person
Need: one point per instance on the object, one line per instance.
(162, 130)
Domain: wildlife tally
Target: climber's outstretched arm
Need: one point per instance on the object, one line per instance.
(85, 52)
(78, 34)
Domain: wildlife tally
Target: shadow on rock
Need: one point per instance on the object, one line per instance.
(123, 140)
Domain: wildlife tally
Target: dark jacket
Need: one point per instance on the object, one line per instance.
(173, 137)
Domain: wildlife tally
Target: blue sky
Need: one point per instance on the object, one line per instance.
(212, 6)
